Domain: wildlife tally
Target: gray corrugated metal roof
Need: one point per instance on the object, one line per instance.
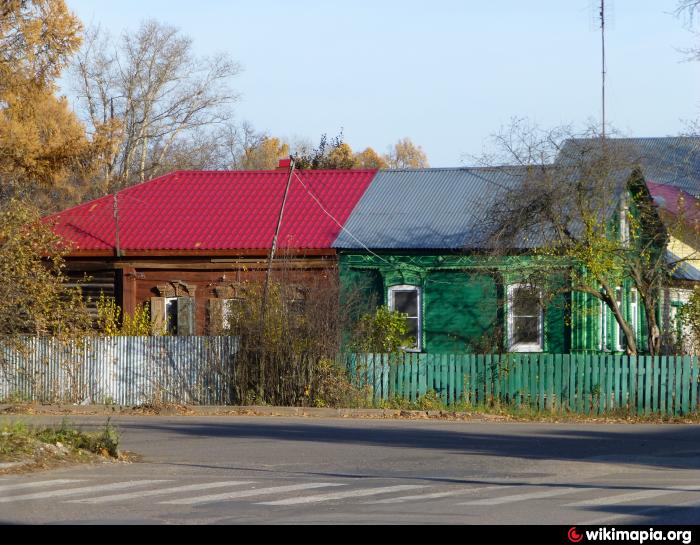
(438, 208)
(671, 161)
(427, 208)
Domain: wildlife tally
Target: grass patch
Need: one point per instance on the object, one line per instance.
(45, 446)
(433, 403)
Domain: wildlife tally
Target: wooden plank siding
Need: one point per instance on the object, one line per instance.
(133, 282)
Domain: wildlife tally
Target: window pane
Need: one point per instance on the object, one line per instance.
(171, 316)
(406, 302)
(526, 302)
(412, 331)
(526, 330)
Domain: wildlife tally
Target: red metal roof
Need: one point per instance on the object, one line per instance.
(225, 210)
(676, 201)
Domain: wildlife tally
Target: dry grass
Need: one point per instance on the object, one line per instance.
(29, 448)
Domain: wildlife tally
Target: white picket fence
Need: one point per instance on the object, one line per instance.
(119, 370)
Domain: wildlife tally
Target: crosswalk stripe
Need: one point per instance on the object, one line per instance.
(436, 495)
(522, 497)
(39, 484)
(248, 493)
(161, 492)
(632, 496)
(341, 495)
(77, 491)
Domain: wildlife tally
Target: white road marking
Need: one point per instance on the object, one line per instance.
(248, 493)
(161, 492)
(522, 497)
(77, 491)
(436, 495)
(642, 512)
(342, 495)
(39, 484)
(632, 496)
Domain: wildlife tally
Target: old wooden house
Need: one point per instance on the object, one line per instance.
(425, 252)
(188, 242)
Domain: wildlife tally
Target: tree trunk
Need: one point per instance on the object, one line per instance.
(629, 334)
(653, 330)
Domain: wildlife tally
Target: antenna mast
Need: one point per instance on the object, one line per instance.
(603, 64)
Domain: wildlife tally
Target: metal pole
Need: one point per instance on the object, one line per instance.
(263, 309)
(273, 251)
(602, 38)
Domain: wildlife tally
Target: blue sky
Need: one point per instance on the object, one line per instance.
(447, 74)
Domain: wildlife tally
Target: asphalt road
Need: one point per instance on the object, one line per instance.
(271, 470)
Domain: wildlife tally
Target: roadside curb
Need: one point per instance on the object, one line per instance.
(182, 410)
(10, 410)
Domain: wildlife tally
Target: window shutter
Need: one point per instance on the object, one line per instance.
(185, 316)
(157, 315)
(216, 316)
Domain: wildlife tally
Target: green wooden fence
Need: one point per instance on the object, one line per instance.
(585, 384)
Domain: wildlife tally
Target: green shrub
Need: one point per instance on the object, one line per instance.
(383, 332)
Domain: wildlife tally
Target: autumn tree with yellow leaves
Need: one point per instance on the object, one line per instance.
(43, 146)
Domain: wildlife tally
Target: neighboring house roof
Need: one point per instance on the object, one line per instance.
(445, 209)
(427, 208)
(226, 210)
(682, 270)
(676, 201)
(671, 161)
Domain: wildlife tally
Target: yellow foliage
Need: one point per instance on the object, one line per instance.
(370, 159)
(265, 155)
(33, 296)
(42, 142)
(405, 154)
(112, 324)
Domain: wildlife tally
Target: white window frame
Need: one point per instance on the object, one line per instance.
(625, 233)
(634, 310)
(524, 347)
(620, 334)
(603, 327)
(419, 333)
(226, 313)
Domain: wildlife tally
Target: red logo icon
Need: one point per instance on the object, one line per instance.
(574, 536)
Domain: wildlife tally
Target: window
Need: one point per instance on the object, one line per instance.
(525, 319)
(406, 299)
(171, 315)
(297, 301)
(634, 311)
(603, 326)
(624, 224)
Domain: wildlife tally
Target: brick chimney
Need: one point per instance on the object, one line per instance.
(284, 164)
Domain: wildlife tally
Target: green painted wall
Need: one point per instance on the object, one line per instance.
(460, 312)
(464, 307)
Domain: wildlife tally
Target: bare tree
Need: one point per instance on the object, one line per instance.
(688, 10)
(159, 92)
(583, 210)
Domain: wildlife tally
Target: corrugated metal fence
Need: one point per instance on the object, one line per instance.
(121, 370)
(584, 384)
(202, 370)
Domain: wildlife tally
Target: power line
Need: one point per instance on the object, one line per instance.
(342, 227)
